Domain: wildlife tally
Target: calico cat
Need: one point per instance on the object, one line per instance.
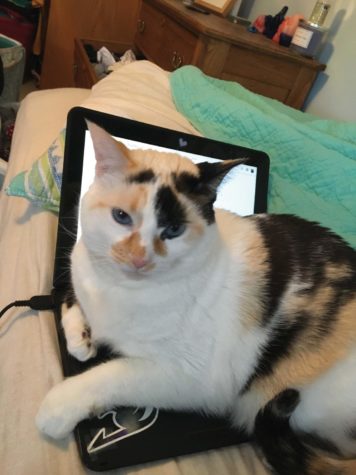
(250, 317)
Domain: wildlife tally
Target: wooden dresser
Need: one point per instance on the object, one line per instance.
(171, 35)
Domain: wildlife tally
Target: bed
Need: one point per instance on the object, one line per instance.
(30, 362)
(29, 353)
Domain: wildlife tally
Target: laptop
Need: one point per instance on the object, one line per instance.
(126, 436)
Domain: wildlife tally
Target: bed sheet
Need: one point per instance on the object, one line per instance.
(29, 355)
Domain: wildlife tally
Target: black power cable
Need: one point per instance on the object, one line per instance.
(37, 302)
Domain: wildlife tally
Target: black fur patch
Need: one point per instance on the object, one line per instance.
(200, 193)
(280, 242)
(280, 345)
(145, 176)
(299, 248)
(285, 402)
(202, 189)
(168, 208)
(288, 452)
(304, 251)
(281, 446)
(69, 297)
(214, 173)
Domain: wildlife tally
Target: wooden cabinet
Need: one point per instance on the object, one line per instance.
(113, 20)
(171, 36)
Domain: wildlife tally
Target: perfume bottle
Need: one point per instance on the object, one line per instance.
(319, 13)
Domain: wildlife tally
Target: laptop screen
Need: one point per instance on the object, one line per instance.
(243, 190)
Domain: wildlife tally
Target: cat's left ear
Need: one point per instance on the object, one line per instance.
(212, 174)
(112, 157)
(202, 189)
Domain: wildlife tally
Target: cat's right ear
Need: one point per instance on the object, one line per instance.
(112, 157)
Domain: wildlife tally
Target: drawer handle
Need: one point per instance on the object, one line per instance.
(141, 26)
(177, 60)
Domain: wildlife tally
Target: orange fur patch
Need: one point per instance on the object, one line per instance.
(316, 305)
(255, 256)
(163, 164)
(323, 465)
(338, 272)
(159, 247)
(127, 249)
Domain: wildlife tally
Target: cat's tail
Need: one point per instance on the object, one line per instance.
(284, 450)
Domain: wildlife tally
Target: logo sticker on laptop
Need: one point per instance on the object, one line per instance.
(182, 142)
(125, 422)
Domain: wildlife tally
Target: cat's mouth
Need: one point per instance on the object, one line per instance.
(135, 273)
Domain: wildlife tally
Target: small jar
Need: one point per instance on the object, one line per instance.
(308, 39)
(319, 13)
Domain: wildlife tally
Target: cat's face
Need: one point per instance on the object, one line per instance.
(147, 211)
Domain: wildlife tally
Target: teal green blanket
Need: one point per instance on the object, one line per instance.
(313, 161)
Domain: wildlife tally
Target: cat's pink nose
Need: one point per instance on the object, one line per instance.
(139, 262)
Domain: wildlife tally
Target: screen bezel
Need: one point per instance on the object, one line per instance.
(139, 131)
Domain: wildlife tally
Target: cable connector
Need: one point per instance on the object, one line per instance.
(37, 302)
(42, 302)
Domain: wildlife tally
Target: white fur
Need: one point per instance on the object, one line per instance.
(328, 405)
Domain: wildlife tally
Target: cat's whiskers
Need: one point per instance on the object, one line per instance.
(70, 233)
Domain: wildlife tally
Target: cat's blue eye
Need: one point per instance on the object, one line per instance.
(121, 216)
(172, 231)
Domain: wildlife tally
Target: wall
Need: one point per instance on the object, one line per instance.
(334, 92)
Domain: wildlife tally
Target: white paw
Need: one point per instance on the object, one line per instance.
(77, 333)
(60, 411)
(80, 346)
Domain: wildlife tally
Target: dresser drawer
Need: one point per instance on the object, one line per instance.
(150, 32)
(180, 46)
(162, 40)
(274, 77)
